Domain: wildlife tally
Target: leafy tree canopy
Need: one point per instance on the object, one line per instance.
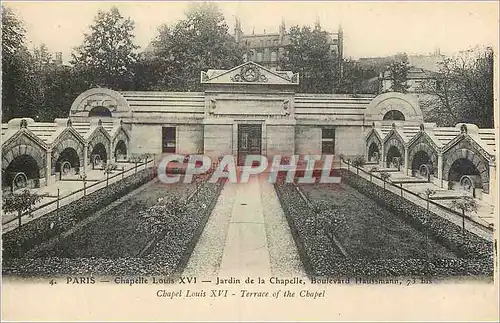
(462, 90)
(309, 54)
(199, 42)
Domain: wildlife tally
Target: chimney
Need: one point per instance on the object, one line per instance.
(237, 30)
(282, 30)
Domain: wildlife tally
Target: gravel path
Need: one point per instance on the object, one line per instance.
(246, 235)
(207, 255)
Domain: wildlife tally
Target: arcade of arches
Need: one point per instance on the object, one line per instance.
(464, 159)
(37, 154)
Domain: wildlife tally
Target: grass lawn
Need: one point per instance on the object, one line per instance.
(372, 231)
(114, 234)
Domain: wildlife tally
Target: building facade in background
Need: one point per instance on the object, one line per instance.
(267, 48)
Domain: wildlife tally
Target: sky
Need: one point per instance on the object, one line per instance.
(371, 29)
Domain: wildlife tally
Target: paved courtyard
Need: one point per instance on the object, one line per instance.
(246, 235)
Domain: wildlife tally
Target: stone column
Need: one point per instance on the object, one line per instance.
(111, 155)
(382, 157)
(85, 159)
(440, 169)
(48, 168)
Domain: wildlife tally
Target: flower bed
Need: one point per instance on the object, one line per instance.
(168, 254)
(18, 241)
(322, 258)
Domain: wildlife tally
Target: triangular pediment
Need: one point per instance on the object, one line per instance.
(249, 73)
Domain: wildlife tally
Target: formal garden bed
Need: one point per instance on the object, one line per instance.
(357, 228)
(152, 232)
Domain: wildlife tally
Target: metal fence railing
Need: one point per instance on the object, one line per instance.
(59, 199)
(418, 196)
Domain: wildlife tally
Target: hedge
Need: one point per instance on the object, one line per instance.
(322, 258)
(18, 241)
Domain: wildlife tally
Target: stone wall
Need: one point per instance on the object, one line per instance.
(218, 140)
(190, 139)
(146, 138)
(349, 140)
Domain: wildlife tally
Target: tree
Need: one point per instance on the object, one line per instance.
(462, 90)
(358, 162)
(20, 203)
(310, 55)
(107, 56)
(374, 169)
(385, 176)
(428, 193)
(357, 79)
(398, 74)
(466, 204)
(18, 87)
(180, 52)
(108, 169)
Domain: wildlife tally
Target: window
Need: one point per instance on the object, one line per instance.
(168, 139)
(328, 141)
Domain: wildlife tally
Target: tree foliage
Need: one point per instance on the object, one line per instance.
(357, 78)
(180, 52)
(108, 53)
(310, 55)
(17, 82)
(463, 90)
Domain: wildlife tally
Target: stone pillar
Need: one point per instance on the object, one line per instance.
(111, 156)
(48, 168)
(382, 157)
(85, 159)
(406, 160)
(440, 169)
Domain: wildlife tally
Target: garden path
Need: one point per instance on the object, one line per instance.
(246, 235)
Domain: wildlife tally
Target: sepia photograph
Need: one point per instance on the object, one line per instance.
(249, 161)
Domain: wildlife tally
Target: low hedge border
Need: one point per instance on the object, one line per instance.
(168, 256)
(18, 241)
(322, 259)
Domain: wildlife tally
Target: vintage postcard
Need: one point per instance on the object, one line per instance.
(249, 161)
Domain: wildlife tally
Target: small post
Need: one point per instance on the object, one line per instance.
(84, 187)
(123, 171)
(401, 185)
(58, 194)
(107, 178)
